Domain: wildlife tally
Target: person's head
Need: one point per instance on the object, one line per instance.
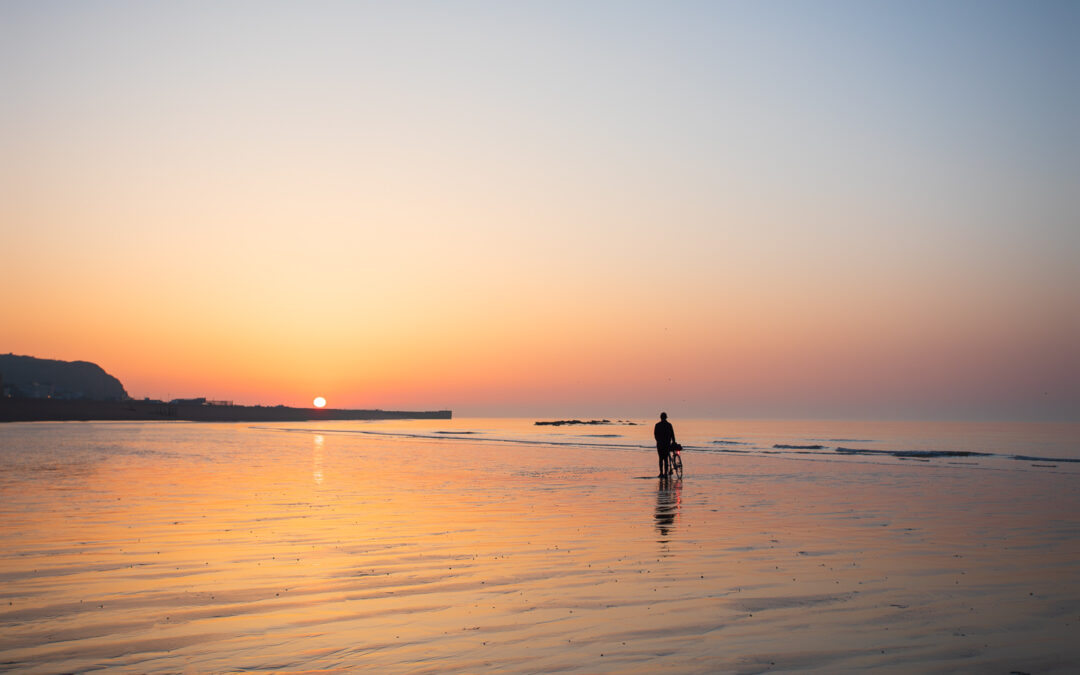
(663, 416)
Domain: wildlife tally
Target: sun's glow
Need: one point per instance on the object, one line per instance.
(319, 401)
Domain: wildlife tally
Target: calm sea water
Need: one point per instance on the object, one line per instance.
(1004, 446)
(44, 451)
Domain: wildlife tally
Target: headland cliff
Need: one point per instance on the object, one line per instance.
(40, 390)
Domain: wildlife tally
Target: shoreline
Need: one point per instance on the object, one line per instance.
(53, 410)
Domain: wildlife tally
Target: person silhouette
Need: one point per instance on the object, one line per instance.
(664, 434)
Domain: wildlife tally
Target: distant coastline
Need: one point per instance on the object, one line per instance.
(54, 410)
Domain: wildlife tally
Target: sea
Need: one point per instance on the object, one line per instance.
(1006, 446)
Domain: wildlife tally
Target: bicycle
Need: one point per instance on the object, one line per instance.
(675, 461)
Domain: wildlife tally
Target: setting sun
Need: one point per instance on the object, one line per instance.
(319, 401)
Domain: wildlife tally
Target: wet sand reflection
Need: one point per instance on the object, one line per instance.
(214, 548)
(317, 459)
(668, 501)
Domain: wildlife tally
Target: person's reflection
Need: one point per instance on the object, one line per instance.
(668, 499)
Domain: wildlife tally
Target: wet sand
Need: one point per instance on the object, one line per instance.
(209, 548)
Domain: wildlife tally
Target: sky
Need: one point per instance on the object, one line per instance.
(718, 209)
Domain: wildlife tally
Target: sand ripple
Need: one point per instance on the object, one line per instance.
(287, 554)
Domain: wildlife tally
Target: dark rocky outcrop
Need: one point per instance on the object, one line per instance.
(30, 377)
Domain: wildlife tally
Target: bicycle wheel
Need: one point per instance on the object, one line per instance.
(676, 462)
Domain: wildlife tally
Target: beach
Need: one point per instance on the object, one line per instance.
(183, 547)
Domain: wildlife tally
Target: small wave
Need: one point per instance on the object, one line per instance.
(917, 454)
(844, 440)
(439, 436)
(618, 442)
(1029, 458)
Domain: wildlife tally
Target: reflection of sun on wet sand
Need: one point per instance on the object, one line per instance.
(223, 548)
(317, 459)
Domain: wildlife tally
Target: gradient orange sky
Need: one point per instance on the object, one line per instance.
(747, 209)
